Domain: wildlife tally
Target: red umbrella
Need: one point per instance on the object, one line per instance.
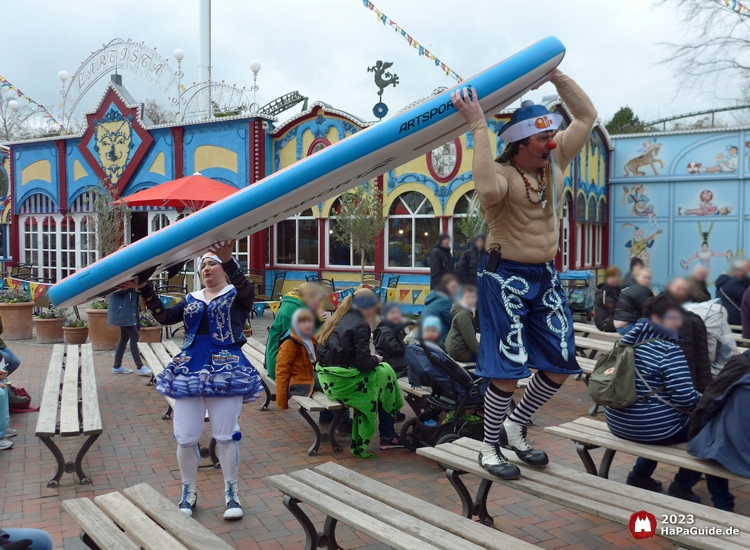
(192, 192)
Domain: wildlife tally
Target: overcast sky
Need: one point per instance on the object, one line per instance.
(322, 48)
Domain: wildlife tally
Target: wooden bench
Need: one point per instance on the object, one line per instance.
(77, 401)
(397, 519)
(138, 518)
(414, 397)
(590, 494)
(318, 402)
(590, 331)
(256, 354)
(156, 357)
(591, 434)
(590, 347)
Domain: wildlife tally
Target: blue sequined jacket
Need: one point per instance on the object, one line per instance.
(227, 312)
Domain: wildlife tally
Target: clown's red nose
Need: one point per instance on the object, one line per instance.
(551, 145)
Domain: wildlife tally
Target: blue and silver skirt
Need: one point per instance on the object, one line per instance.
(207, 370)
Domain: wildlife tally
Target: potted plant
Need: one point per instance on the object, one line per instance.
(248, 330)
(103, 335)
(16, 312)
(150, 328)
(76, 331)
(49, 325)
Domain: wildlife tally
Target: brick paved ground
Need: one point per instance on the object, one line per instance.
(137, 446)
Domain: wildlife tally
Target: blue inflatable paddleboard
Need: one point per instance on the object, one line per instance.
(327, 173)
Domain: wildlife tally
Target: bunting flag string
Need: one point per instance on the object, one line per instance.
(33, 289)
(274, 306)
(259, 308)
(415, 294)
(421, 50)
(6, 84)
(403, 293)
(734, 6)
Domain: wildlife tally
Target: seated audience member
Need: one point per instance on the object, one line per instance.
(5, 430)
(699, 284)
(439, 303)
(467, 265)
(631, 301)
(636, 264)
(462, 343)
(693, 335)
(664, 418)
(26, 539)
(745, 315)
(389, 336)
(430, 329)
(348, 372)
(730, 288)
(295, 362)
(605, 300)
(12, 362)
(718, 426)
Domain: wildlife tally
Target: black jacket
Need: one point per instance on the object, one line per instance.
(469, 262)
(349, 345)
(629, 280)
(730, 290)
(630, 303)
(694, 344)
(390, 345)
(441, 262)
(605, 303)
(737, 367)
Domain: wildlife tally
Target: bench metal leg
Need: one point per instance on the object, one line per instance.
(606, 463)
(471, 507)
(337, 416)
(313, 450)
(61, 465)
(312, 537)
(583, 451)
(84, 479)
(594, 410)
(264, 406)
(88, 541)
(329, 534)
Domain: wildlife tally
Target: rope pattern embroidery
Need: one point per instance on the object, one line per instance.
(512, 303)
(553, 301)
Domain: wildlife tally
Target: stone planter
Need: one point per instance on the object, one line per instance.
(104, 337)
(49, 331)
(76, 335)
(18, 320)
(149, 335)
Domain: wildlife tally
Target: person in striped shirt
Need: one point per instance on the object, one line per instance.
(664, 418)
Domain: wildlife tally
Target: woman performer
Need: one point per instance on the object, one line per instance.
(210, 372)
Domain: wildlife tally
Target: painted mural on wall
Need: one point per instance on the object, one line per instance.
(679, 201)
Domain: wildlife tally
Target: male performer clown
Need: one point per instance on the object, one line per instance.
(525, 323)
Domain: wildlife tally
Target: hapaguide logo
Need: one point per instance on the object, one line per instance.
(642, 525)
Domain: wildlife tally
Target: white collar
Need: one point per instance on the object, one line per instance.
(201, 294)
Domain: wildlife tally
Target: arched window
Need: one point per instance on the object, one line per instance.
(297, 240)
(580, 208)
(31, 240)
(340, 254)
(67, 246)
(159, 221)
(49, 259)
(467, 221)
(591, 212)
(411, 231)
(601, 215)
(318, 145)
(87, 249)
(565, 231)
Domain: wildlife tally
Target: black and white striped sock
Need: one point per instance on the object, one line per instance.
(496, 402)
(538, 392)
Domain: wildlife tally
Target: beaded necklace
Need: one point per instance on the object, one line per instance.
(541, 191)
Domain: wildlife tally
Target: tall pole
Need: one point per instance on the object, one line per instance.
(204, 58)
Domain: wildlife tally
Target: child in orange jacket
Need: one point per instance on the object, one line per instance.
(295, 362)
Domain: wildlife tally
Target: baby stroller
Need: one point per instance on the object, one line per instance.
(454, 406)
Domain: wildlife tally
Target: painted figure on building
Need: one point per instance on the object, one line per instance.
(647, 157)
(114, 143)
(728, 162)
(704, 255)
(636, 195)
(747, 146)
(706, 207)
(639, 244)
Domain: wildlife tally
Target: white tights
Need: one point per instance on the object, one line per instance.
(223, 412)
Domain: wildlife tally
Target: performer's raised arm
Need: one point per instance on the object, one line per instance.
(490, 186)
(574, 137)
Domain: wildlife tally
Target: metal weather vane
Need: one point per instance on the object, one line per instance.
(383, 78)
